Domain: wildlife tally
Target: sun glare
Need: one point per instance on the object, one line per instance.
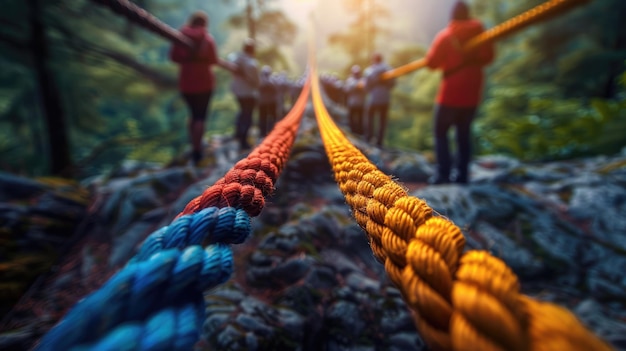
(299, 10)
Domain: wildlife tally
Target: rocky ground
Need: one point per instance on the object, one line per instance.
(306, 279)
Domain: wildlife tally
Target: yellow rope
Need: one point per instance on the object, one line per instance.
(538, 13)
(459, 301)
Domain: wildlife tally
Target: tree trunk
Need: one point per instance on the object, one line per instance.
(250, 21)
(370, 29)
(60, 162)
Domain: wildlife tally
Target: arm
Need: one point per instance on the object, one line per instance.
(179, 53)
(227, 65)
(435, 57)
(484, 54)
(211, 55)
(206, 51)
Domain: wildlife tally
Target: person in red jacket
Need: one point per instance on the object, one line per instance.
(196, 80)
(460, 91)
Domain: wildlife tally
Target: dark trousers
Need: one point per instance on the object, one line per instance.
(244, 119)
(355, 119)
(198, 104)
(374, 111)
(461, 119)
(267, 117)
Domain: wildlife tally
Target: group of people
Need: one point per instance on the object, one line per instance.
(367, 94)
(261, 90)
(253, 88)
(367, 97)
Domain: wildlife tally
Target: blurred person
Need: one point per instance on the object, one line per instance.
(245, 87)
(339, 95)
(196, 80)
(460, 91)
(378, 98)
(355, 99)
(282, 84)
(295, 89)
(267, 101)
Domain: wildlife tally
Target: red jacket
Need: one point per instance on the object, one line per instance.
(462, 73)
(196, 75)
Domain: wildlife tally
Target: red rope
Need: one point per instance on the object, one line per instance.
(252, 179)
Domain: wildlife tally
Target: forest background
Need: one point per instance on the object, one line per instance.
(73, 70)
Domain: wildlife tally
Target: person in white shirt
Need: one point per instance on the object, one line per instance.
(355, 100)
(378, 96)
(245, 86)
(268, 91)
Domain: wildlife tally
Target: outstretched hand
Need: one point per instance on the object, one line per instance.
(227, 65)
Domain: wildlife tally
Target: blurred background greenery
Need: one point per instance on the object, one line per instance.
(556, 90)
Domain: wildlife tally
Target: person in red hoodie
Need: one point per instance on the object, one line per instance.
(460, 91)
(196, 80)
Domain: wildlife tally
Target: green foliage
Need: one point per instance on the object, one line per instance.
(556, 90)
(531, 125)
(553, 91)
(410, 116)
(117, 86)
(270, 27)
(360, 37)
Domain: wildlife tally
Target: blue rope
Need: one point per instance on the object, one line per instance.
(168, 329)
(170, 270)
(211, 225)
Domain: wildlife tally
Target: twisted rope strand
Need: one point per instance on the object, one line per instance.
(211, 225)
(140, 288)
(147, 304)
(252, 179)
(542, 12)
(459, 301)
(175, 328)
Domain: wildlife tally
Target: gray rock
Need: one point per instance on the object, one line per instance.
(606, 279)
(411, 168)
(254, 324)
(13, 187)
(224, 292)
(604, 205)
(345, 316)
(231, 339)
(359, 282)
(321, 277)
(515, 255)
(396, 318)
(406, 342)
(603, 321)
(340, 261)
(125, 244)
(214, 322)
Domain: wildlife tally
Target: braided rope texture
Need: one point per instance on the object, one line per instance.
(169, 273)
(252, 179)
(459, 301)
(156, 301)
(542, 12)
(539, 13)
